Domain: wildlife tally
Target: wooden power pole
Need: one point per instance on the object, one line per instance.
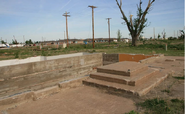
(109, 28)
(64, 36)
(93, 22)
(66, 15)
(23, 39)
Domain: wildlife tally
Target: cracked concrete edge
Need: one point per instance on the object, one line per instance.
(151, 59)
(146, 90)
(15, 100)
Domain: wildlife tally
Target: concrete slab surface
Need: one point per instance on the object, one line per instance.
(80, 100)
(139, 90)
(133, 81)
(125, 68)
(168, 66)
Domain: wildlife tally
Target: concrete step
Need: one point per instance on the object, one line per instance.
(125, 68)
(139, 90)
(132, 81)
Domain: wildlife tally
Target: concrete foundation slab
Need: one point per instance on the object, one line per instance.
(126, 68)
(133, 81)
(140, 90)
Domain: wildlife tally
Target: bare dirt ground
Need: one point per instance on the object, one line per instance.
(89, 100)
(80, 100)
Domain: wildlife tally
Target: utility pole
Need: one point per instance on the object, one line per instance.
(93, 22)
(23, 39)
(66, 15)
(109, 28)
(154, 32)
(64, 36)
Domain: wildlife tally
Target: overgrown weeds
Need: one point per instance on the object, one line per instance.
(166, 90)
(161, 106)
(179, 78)
(132, 112)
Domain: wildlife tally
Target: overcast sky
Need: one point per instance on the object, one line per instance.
(43, 18)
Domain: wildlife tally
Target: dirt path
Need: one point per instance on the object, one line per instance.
(80, 100)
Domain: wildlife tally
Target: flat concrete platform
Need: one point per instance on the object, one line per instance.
(133, 81)
(80, 100)
(125, 68)
(139, 90)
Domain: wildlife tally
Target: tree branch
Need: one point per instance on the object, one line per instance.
(146, 10)
(124, 17)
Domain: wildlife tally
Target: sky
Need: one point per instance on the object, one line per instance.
(43, 19)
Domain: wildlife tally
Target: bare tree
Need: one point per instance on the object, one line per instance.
(164, 34)
(136, 25)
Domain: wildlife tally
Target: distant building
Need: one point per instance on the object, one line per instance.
(4, 45)
(83, 41)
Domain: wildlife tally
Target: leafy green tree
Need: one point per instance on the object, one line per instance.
(136, 25)
(182, 34)
(3, 42)
(29, 41)
(158, 36)
(119, 35)
(14, 41)
(36, 42)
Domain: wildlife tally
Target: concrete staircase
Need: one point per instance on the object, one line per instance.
(130, 77)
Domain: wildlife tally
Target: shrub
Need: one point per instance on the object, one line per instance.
(155, 106)
(17, 54)
(160, 106)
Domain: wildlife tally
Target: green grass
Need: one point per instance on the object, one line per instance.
(161, 106)
(180, 78)
(132, 112)
(175, 48)
(166, 90)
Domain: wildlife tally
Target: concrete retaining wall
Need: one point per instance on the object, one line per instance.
(42, 74)
(110, 58)
(64, 56)
(21, 61)
(37, 59)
